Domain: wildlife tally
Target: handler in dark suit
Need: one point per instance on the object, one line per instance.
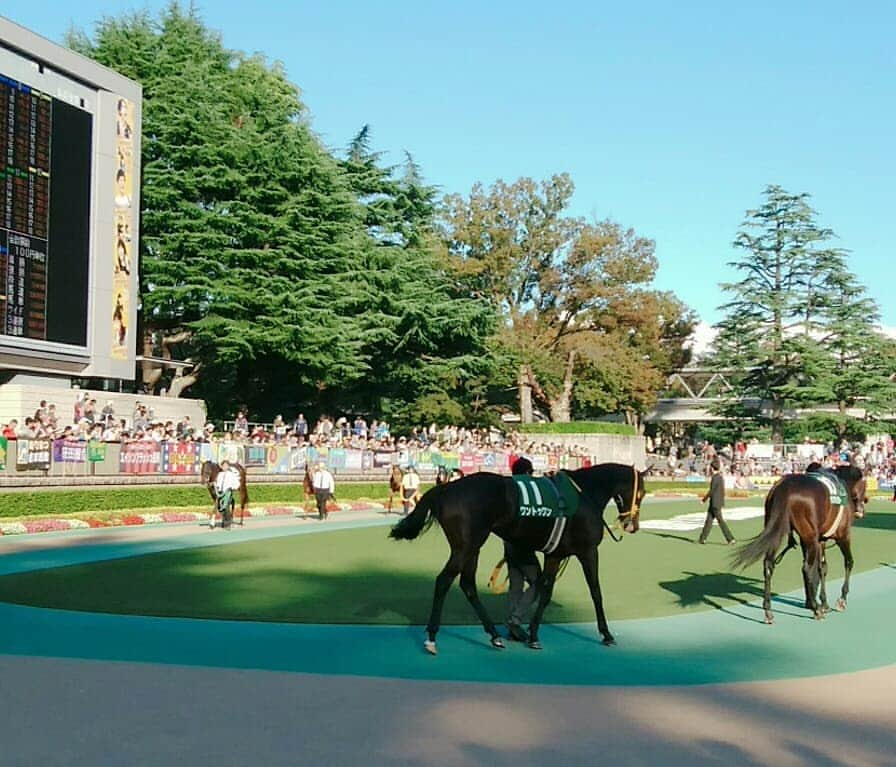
(716, 497)
(523, 568)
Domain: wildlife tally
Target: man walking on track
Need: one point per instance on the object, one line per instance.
(716, 497)
(226, 484)
(410, 489)
(324, 485)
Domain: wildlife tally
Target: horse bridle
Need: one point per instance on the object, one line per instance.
(631, 514)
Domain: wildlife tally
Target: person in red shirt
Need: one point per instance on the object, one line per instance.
(10, 430)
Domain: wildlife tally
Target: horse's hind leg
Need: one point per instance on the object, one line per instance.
(443, 582)
(812, 575)
(768, 570)
(468, 586)
(545, 586)
(822, 578)
(846, 548)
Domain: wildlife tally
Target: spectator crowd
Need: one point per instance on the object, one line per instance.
(91, 422)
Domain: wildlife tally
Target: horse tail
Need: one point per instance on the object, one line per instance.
(420, 519)
(777, 525)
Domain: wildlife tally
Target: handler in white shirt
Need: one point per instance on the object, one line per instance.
(226, 484)
(410, 489)
(324, 486)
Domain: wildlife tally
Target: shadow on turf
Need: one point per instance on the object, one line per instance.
(714, 589)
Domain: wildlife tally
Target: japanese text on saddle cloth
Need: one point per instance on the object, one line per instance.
(545, 498)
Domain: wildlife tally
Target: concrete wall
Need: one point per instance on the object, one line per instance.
(18, 400)
(605, 448)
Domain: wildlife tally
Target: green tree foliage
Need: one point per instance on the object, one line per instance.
(799, 327)
(250, 233)
(582, 330)
(425, 338)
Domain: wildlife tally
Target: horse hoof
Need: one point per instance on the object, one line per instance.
(841, 605)
(608, 641)
(534, 644)
(769, 620)
(498, 643)
(819, 615)
(430, 647)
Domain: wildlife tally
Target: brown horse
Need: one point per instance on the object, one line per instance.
(208, 475)
(802, 504)
(396, 475)
(308, 502)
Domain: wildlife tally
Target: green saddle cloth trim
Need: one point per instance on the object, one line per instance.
(545, 498)
(836, 488)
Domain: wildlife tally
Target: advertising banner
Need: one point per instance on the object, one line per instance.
(336, 458)
(354, 460)
(256, 455)
(278, 459)
(467, 462)
(382, 458)
(141, 458)
(4, 447)
(69, 451)
(298, 459)
(33, 454)
(180, 458)
(229, 451)
(96, 451)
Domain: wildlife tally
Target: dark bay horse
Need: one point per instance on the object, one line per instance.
(308, 500)
(472, 508)
(802, 504)
(208, 475)
(396, 475)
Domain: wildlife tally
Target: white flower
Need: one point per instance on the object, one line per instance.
(12, 528)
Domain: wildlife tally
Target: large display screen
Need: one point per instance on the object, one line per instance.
(45, 158)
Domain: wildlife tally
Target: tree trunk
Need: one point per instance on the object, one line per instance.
(525, 395)
(181, 382)
(561, 406)
(150, 372)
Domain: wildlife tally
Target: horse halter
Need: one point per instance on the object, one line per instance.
(635, 508)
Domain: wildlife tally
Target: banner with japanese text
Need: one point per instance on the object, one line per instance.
(69, 451)
(33, 454)
(141, 458)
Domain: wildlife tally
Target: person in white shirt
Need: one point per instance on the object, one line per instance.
(324, 486)
(226, 484)
(410, 489)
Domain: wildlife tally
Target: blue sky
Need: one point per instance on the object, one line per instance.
(670, 117)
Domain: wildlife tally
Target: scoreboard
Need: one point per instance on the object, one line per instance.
(69, 203)
(35, 235)
(25, 129)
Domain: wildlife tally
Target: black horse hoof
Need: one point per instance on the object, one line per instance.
(498, 643)
(608, 641)
(517, 633)
(534, 644)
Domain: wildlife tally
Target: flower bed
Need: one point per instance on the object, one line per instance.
(165, 517)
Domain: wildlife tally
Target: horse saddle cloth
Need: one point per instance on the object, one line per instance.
(545, 498)
(836, 489)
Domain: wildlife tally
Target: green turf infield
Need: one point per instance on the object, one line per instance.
(358, 576)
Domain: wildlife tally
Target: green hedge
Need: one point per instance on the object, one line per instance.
(46, 502)
(578, 427)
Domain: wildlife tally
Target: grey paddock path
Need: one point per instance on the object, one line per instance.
(80, 712)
